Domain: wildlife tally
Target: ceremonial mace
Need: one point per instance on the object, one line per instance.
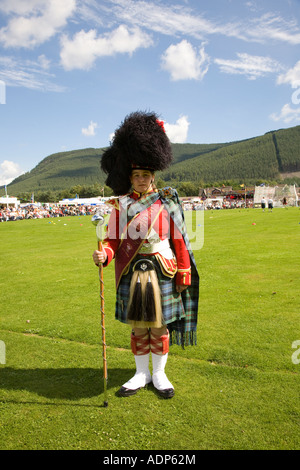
(98, 221)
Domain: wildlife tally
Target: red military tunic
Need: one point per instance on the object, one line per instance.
(165, 228)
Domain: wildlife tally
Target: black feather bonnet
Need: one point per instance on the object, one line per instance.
(140, 142)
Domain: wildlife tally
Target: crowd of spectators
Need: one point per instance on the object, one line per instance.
(41, 211)
(35, 211)
(217, 204)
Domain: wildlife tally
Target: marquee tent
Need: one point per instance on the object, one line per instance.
(9, 201)
(281, 195)
(91, 201)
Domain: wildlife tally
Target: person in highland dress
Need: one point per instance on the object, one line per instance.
(157, 282)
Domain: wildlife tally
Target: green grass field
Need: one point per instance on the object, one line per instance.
(237, 389)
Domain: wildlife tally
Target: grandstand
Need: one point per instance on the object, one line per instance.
(282, 195)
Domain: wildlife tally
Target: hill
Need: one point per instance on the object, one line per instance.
(60, 171)
(265, 157)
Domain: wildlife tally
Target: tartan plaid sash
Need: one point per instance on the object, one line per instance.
(137, 218)
(130, 209)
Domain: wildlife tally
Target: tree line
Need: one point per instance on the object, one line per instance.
(184, 189)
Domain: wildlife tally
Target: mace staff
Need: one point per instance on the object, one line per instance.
(98, 221)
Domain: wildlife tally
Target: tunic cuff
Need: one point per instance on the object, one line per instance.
(183, 277)
(110, 255)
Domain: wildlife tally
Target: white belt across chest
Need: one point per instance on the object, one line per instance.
(162, 247)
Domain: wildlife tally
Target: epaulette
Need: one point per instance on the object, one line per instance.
(113, 202)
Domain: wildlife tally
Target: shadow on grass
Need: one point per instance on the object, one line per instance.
(65, 383)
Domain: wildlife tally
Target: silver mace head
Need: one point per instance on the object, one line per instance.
(98, 221)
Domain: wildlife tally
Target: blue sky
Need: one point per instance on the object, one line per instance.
(214, 71)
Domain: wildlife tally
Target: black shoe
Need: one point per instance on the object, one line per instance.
(167, 393)
(126, 392)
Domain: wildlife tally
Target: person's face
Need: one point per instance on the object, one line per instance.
(141, 180)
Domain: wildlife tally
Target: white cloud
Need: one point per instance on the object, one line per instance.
(90, 130)
(84, 48)
(9, 171)
(169, 20)
(287, 114)
(251, 66)
(252, 6)
(178, 132)
(184, 62)
(270, 27)
(28, 74)
(43, 61)
(34, 23)
(176, 20)
(291, 77)
(20, 7)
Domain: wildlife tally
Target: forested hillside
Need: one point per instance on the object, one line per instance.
(249, 159)
(61, 171)
(253, 160)
(287, 142)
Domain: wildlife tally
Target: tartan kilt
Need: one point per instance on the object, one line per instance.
(179, 311)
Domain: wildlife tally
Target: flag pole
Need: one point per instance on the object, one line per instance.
(6, 195)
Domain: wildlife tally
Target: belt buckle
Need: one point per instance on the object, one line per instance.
(143, 265)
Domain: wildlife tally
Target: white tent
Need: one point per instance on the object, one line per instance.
(90, 201)
(9, 201)
(277, 194)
